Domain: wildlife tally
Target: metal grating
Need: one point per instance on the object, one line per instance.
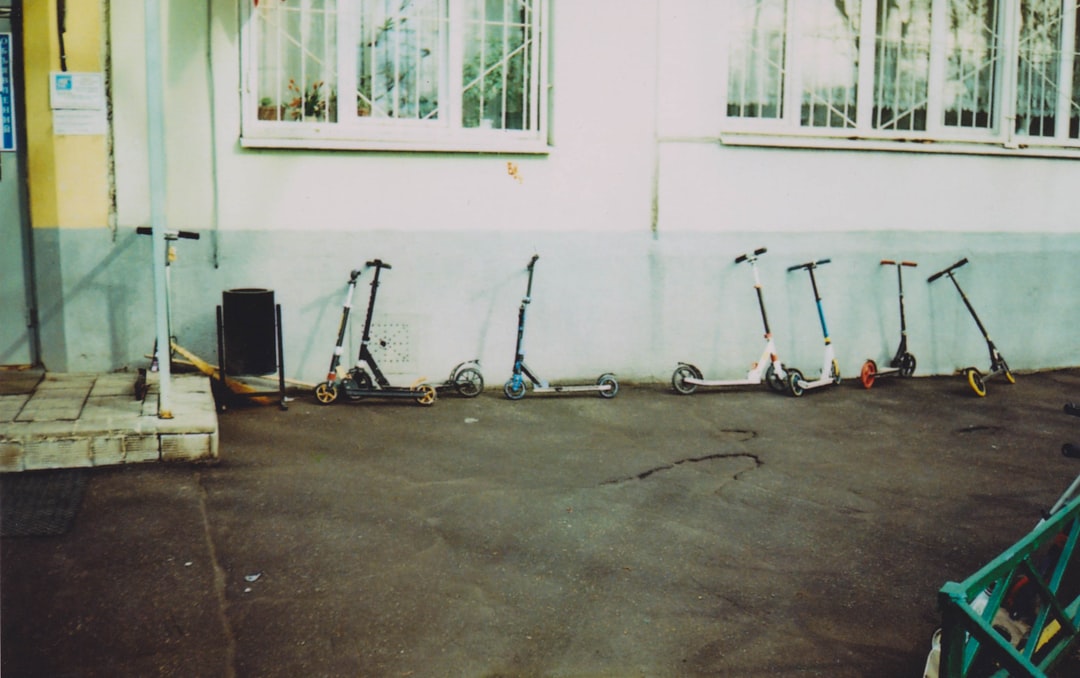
(40, 503)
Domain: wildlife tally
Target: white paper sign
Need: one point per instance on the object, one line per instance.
(77, 90)
(75, 121)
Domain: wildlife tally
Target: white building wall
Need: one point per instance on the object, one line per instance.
(637, 213)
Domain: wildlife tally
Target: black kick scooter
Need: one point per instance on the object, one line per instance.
(365, 378)
(997, 363)
(903, 363)
(514, 388)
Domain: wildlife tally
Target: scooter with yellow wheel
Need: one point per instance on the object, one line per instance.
(830, 368)
(903, 362)
(998, 366)
(365, 379)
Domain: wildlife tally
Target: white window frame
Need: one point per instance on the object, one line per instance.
(350, 131)
(999, 138)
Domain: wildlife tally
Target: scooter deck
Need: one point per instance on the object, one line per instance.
(572, 389)
(723, 382)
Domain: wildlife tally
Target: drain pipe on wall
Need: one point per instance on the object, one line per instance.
(155, 125)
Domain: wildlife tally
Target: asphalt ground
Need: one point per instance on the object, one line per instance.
(726, 533)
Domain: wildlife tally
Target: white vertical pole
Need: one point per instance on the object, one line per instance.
(155, 126)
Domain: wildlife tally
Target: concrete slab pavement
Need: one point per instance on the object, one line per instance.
(720, 534)
(54, 420)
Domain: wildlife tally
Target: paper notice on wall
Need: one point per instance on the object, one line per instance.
(75, 121)
(78, 103)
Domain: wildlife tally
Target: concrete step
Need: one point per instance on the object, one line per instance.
(55, 420)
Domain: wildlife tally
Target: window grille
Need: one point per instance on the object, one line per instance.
(1004, 72)
(416, 74)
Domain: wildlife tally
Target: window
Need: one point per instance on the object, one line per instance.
(1003, 72)
(455, 75)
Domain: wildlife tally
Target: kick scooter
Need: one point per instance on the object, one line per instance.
(514, 388)
(688, 377)
(1071, 449)
(903, 363)
(976, 379)
(830, 369)
(170, 256)
(365, 378)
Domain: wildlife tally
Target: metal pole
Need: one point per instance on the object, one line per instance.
(155, 126)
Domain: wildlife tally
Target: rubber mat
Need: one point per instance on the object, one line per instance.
(40, 503)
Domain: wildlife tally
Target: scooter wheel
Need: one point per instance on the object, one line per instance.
(976, 382)
(608, 380)
(774, 380)
(869, 371)
(326, 393)
(1008, 374)
(469, 382)
(678, 380)
(795, 382)
(907, 365)
(425, 394)
(512, 391)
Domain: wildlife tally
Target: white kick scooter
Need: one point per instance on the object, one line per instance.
(688, 377)
(830, 369)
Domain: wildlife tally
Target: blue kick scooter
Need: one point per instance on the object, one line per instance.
(830, 369)
(514, 388)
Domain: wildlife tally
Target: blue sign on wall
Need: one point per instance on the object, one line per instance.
(7, 102)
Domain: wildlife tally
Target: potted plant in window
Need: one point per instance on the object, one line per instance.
(268, 111)
(315, 103)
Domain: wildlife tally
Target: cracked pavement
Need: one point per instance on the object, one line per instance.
(734, 533)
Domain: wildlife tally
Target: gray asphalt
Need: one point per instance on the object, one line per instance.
(726, 533)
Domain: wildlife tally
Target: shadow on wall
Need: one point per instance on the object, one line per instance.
(69, 295)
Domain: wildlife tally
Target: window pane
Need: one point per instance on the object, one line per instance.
(1038, 67)
(901, 65)
(973, 57)
(1074, 107)
(497, 73)
(297, 48)
(399, 58)
(828, 54)
(756, 60)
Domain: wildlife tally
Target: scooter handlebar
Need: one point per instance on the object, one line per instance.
(532, 262)
(757, 253)
(169, 235)
(379, 263)
(808, 265)
(891, 262)
(354, 274)
(947, 270)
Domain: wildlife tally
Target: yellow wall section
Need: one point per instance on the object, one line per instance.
(68, 175)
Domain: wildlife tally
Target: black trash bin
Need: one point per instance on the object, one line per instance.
(250, 332)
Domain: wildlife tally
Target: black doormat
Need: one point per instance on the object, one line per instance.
(40, 503)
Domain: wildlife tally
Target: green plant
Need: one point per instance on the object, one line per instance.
(317, 102)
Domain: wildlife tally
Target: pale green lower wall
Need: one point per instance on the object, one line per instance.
(631, 304)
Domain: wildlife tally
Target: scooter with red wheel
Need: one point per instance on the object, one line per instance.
(998, 366)
(365, 379)
(903, 363)
(768, 369)
(830, 368)
(515, 387)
